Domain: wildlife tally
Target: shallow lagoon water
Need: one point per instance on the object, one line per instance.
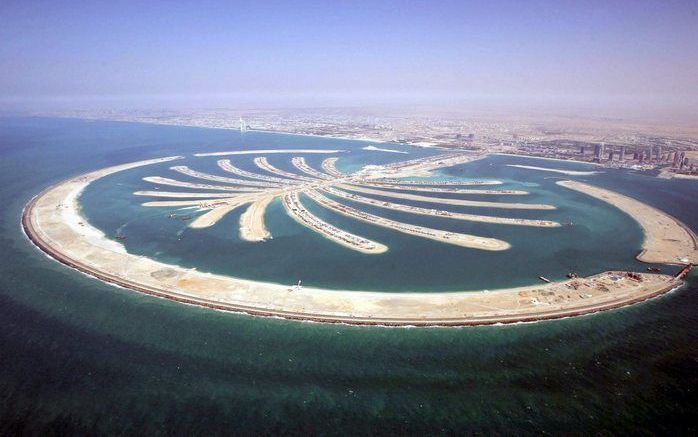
(83, 356)
(411, 264)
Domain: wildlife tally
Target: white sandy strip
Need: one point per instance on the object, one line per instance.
(392, 181)
(429, 189)
(666, 238)
(300, 164)
(225, 165)
(443, 200)
(252, 226)
(268, 151)
(685, 176)
(330, 167)
(175, 183)
(296, 210)
(200, 175)
(458, 239)
(213, 216)
(441, 213)
(556, 170)
(378, 149)
(172, 194)
(264, 164)
(172, 203)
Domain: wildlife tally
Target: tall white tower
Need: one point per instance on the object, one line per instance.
(243, 126)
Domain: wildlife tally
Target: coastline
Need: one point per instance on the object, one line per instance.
(546, 159)
(43, 221)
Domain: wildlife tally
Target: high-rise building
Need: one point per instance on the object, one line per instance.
(622, 153)
(675, 162)
(243, 126)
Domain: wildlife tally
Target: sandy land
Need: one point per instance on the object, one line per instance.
(300, 164)
(176, 194)
(330, 167)
(378, 149)
(200, 175)
(443, 200)
(685, 176)
(296, 210)
(268, 151)
(455, 238)
(667, 240)
(225, 165)
(264, 164)
(213, 216)
(175, 183)
(252, 226)
(177, 203)
(53, 222)
(429, 189)
(556, 170)
(441, 213)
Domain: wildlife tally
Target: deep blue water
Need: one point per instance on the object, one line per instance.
(80, 356)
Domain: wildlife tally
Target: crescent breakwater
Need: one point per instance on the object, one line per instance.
(667, 240)
(53, 222)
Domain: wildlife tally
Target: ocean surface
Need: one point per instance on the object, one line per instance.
(81, 356)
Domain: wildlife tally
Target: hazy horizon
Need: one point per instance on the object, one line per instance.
(611, 58)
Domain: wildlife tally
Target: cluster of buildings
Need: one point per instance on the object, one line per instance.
(651, 156)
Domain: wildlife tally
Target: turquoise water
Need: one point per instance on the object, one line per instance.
(82, 356)
(411, 264)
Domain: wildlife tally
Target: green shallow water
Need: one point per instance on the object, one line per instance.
(80, 356)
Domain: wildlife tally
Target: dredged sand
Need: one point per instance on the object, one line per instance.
(667, 240)
(52, 220)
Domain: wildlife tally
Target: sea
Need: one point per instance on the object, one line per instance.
(82, 357)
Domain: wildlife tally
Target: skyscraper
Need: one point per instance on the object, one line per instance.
(599, 152)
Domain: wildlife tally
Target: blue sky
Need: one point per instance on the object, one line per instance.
(324, 51)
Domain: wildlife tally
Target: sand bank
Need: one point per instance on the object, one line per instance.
(300, 214)
(264, 164)
(183, 169)
(430, 189)
(667, 240)
(330, 167)
(441, 213)
(378, 149)
(175, 183)
(268, 151)
(443, 200)
(555, 170)
(252, 226)
(300, 164)
(458, 239)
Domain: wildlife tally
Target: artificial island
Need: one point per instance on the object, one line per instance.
(53, 221)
